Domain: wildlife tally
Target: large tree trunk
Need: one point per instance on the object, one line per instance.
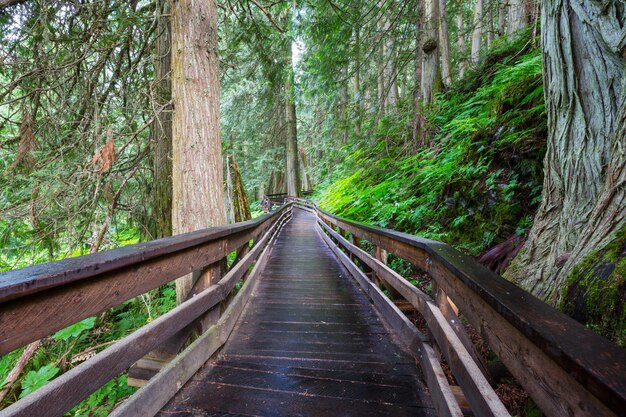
(292, 171)
(162, 126)
(198, 200)
(444, 41)
(490, 25)
(431, 73)
(477, 34)
(390, 65)
(357, 79)
(418, 116)
(503, 10)
(583, 201)
(382, 85)
(307, 185)
(461, 41)
(519, 13)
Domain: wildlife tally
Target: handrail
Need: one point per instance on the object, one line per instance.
(85, 289)
(39, 300)
(564, 366)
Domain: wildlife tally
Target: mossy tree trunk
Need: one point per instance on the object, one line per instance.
(583, 201)
(197, 176)
(161, 130)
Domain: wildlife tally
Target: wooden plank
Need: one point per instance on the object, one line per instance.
(450, 312)
(443, 398)
(308, 372)
(557, 341)
(479, 392)
(20, 282)
(69, 389)
(149, 400)
(35, 315)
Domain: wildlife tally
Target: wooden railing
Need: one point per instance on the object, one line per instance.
(567, 369)
(39, 300)
(274, 200)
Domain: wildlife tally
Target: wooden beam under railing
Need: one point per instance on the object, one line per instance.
(39, 300)
(566, 368)
(61, 394)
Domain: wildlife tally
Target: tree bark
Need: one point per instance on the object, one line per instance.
(357, 65)
(461, 41)
(357, 79)
(418, 117)
(583, 201)
(477, 34)
(382, 85)
(197, 175)
(444, 41)
(519, 12)
(431, 73)
(162, 126)
(490, 18)
(503, 10)
(237, 207)
(292, 171)
(390, 65)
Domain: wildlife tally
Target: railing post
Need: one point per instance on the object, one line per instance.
(211, 275)
(381, 255)
(451, 312)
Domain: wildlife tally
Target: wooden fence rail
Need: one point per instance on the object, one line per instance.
(566, 368)
(37, 301)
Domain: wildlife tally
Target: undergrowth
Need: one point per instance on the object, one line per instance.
(479, 182)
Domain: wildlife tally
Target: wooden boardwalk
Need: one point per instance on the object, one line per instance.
(309, 343)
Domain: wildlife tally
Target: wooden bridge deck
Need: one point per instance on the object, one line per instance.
(309, 343)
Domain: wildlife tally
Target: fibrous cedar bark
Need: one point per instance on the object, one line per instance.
(519, 14)
(583, 201)
(161, 130)
(197, 177)
(292, 171)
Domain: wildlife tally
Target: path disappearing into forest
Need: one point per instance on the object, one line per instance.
(308, 343)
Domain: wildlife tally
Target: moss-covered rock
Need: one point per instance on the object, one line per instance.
(595, 290)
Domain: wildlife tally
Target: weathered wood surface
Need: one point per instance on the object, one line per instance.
(479, 393)
(39, 300)
(156, 393)
(567, 369)
(442, 396)
(69, 389)
(308, 343)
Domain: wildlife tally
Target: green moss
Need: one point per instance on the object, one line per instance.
(482, 177)
(595, 290)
